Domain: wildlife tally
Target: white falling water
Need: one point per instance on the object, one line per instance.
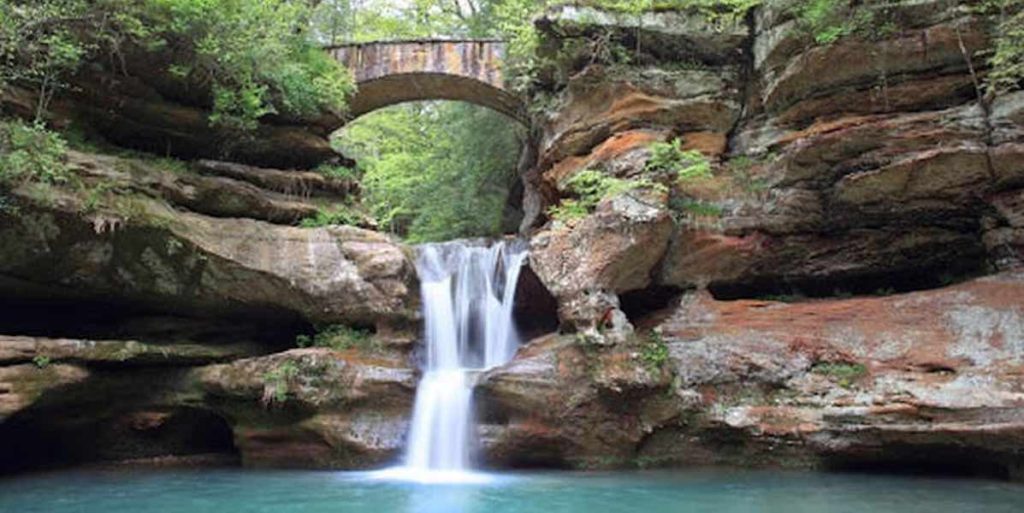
(468, 293)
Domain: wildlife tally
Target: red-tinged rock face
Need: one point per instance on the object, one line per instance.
(815, 383)
(862, 164)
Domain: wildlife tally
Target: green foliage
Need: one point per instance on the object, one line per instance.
(31, 153)
(340, 338)
(823, 19)
(41, 361)
(171, 165)
(255, 57)
(590, 187)
(339, 215)
(37, 49)
(338, 172)
(95, 197)
(276, 382)
(654, 352)
(255, 54)
(514, 22)
(742, 169)
(671, 158)
(844, 373)
(345, 21)
(827, 21)
(435, 170)
(568, 210)
(1007, 60)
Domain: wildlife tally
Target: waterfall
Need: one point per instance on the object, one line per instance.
(468, 292)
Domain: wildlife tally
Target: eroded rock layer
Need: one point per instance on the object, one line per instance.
(793, 305)
(925, 380)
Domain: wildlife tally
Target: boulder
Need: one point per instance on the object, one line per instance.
(313, 407)
(611, 251)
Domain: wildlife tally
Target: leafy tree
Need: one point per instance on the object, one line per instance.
(37, 45)
(255, 57)
(30, 153)
(435, 170)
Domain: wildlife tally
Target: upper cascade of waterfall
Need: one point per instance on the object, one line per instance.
(468, 293)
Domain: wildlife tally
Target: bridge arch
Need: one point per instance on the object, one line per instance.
(394, 72)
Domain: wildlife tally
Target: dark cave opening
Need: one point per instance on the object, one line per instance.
(840, 285)
(124, 320)
(643, 304)
(182, 436)
(535, 312)
(925, 461)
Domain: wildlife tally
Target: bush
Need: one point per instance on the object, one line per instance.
(38, 49)
(671, 158)
(31, 153)
(277, 382)
(339, 337)
(827, 21)
(41, 361)
(654, 352)
(1008, 58)
(338, 216)
(337, 172)
(696, 208)
(590, 187)
(568, 210)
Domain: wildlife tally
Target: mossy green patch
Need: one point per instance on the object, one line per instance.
(844, 373)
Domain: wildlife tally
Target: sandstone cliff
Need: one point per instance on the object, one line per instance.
(733, 318)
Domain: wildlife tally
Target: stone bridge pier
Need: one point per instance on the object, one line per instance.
(388, 73)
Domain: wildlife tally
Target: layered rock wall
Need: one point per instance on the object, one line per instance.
(799, 306)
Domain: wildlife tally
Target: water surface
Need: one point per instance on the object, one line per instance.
(225, 491)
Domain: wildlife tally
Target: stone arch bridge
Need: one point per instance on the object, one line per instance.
(393, 72)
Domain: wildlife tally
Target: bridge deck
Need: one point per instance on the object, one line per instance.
(389, 72)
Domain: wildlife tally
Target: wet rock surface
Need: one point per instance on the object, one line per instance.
(903, 380)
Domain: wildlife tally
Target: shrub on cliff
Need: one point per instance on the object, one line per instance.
(670, 157)
(340, 338)
(255, 55)
(1008, 57)
(252, 57)
(30, 153)
(588, 187)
